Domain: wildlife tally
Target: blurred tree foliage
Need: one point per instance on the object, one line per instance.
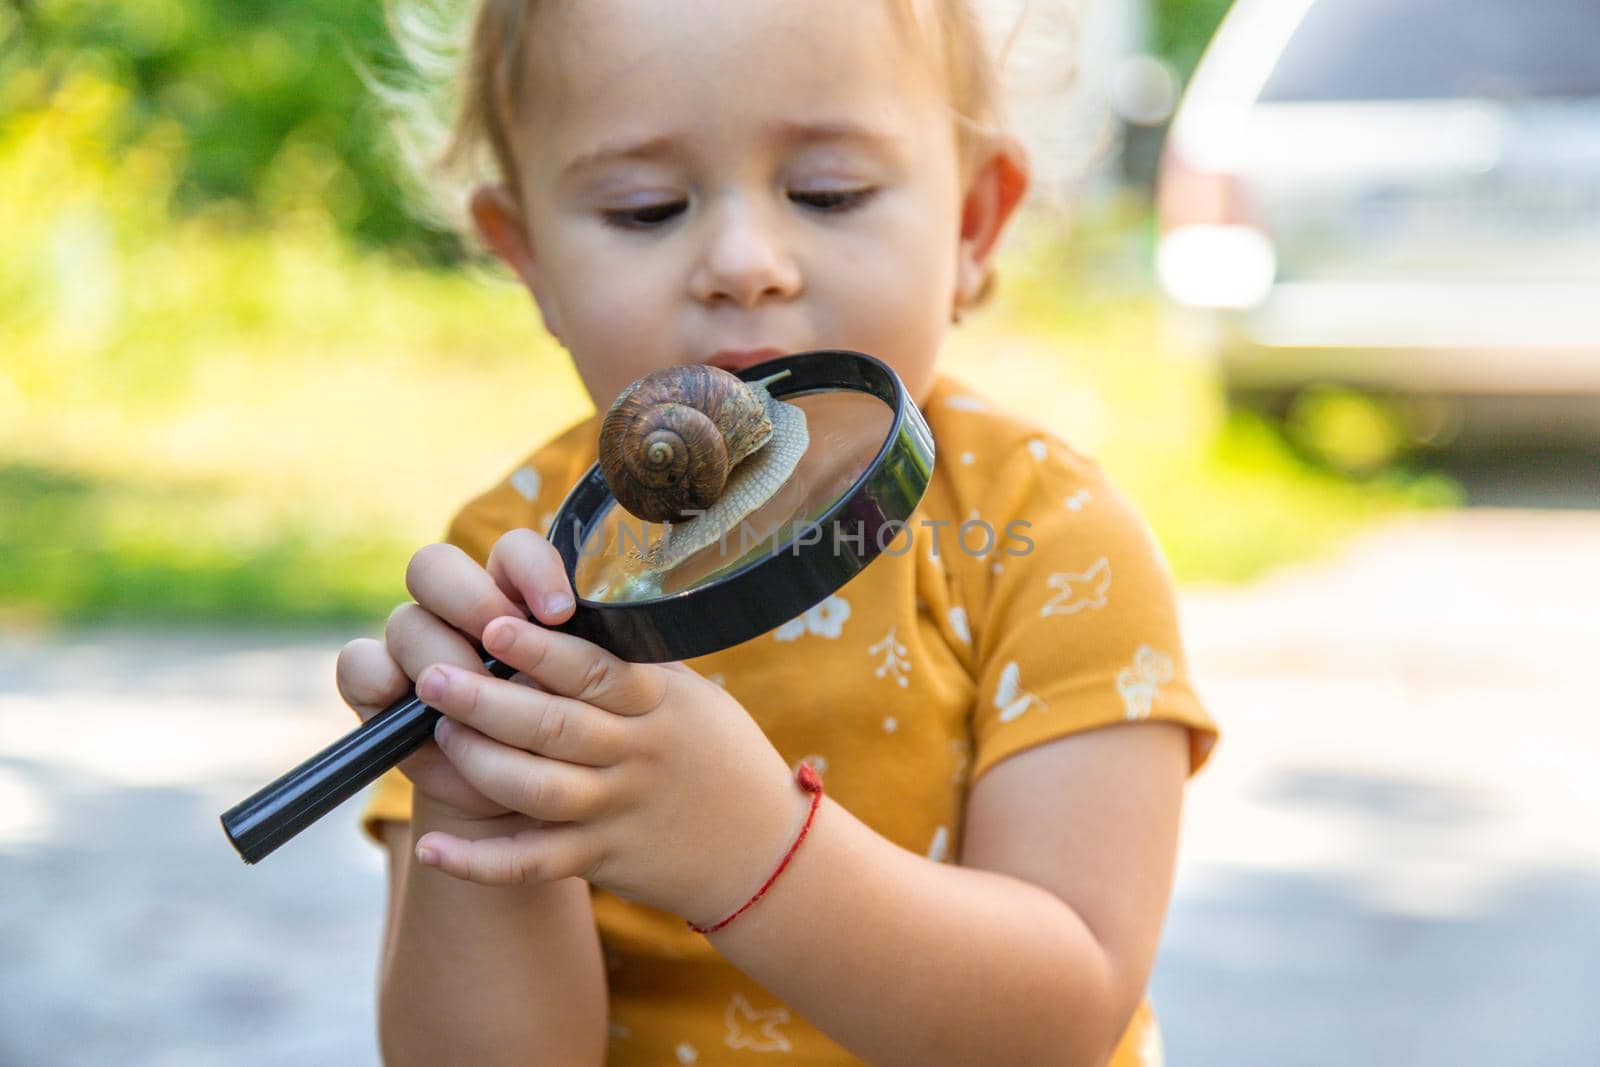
(266, 98)
(1182, 28)
(266, 101)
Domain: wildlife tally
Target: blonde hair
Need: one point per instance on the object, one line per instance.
(454, 121)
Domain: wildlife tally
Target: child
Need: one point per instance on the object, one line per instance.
(1003, 729)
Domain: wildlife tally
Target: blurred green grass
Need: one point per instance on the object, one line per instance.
(205, 419)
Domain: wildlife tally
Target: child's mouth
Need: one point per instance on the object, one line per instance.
(735, 360)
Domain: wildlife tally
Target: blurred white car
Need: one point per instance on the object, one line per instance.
(1397, 195)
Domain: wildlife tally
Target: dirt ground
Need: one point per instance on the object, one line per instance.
(1391, 859)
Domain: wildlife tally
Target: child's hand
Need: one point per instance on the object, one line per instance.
(455, 598)
(647, 779)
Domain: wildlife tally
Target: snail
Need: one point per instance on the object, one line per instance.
(670, 439)
(699, 449)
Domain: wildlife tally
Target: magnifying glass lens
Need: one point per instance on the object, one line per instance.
(620, 556)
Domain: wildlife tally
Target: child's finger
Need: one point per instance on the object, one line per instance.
(546, 854)
(368, 678)
(451, 586)
(540, 788)
(527, 567)
(526, 717)
(576, 668)
(417, 639)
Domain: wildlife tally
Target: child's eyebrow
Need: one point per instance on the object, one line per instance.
(783, 133)
(791, 133)
(653, 148)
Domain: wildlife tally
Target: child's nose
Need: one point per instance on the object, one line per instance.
(746, 259)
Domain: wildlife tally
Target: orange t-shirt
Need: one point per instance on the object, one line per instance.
(901, 690)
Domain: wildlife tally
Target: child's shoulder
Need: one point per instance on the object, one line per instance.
(984, 448)
(1010, 472)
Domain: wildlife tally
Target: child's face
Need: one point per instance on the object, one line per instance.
(729, 180)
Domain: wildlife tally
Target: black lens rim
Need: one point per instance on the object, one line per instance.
(793, 578)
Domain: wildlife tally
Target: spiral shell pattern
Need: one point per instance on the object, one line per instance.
(669, 441)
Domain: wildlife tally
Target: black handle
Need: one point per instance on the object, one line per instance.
(281, 809)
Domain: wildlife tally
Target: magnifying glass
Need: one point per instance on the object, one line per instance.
(868, 457)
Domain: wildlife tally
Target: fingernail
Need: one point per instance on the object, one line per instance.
(427, 855)
(433, 683)
(556, 603)
(441, 729)
(498, 637)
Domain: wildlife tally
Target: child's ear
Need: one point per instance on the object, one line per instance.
(999, 181)
(500, 223)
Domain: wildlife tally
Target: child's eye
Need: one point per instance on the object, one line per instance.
(643, 218)
(831, 199)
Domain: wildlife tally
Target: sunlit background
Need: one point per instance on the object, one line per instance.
(1344, 354)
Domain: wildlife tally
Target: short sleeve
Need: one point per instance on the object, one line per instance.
(1074, 612)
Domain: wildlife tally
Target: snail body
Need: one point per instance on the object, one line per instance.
(669, 441)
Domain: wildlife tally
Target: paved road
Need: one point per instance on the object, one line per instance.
(1392, 858)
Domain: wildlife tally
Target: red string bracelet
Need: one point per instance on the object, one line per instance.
(811, 784)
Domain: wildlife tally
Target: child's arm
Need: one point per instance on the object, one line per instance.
(480, 975)
(1036, 950)
(665, 791)
(471, 974)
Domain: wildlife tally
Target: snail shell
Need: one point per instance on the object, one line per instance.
(669, 441)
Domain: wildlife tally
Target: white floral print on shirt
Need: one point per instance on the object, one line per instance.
(526, 481)
(958, 624)
(1074, 592)
(1139, 683)
(827, 620)
(961, 759)
(1009, 696)
(752, 1029)
(967, 403)
(895, 664)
